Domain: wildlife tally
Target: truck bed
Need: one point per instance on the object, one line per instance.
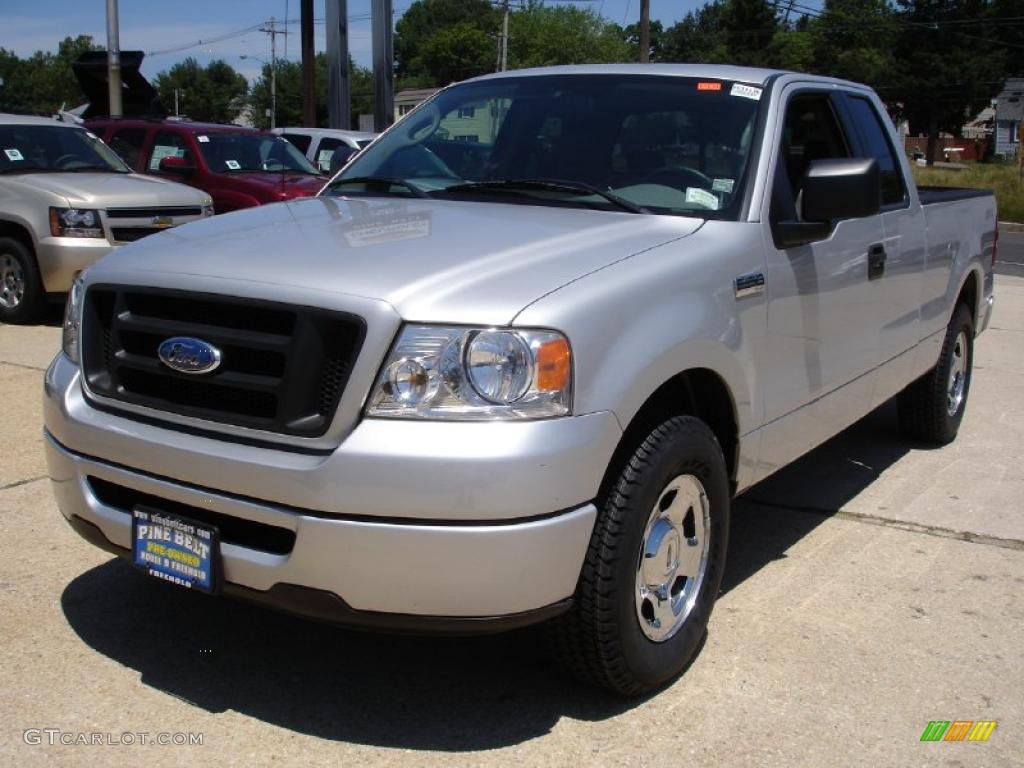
(929, 195)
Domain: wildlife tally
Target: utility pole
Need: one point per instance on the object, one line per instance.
(503, 40)
(645, 31)
(176, 113)
(113, 61)
(308, 67)
(339, 101)
(382, 25)
(271, 29)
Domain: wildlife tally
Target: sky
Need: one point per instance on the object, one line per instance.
(157, 27)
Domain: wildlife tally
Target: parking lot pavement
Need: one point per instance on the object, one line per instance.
(871, 588)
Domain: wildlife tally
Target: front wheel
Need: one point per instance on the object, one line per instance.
(21, 291)
(654, 565)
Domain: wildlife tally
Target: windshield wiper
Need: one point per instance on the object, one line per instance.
(555, 185)
(381, 181)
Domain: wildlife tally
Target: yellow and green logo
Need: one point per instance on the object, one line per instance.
(958, 730)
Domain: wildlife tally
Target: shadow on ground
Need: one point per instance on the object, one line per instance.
(409, 692)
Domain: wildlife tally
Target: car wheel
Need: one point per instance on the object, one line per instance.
(932, 408)
(21, 291)
(654, 564)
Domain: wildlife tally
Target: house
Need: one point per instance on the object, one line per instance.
(1009, 116)
(981, 126)
(406, 101)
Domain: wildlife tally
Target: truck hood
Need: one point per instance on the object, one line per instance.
(114, 190)
(275, 186)
(432, 260)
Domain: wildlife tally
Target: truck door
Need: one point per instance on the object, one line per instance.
(896, 287)
(823, 329)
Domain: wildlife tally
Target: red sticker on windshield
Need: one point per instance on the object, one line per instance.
(709, 86)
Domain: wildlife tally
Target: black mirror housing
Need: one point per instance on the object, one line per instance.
(835, 189)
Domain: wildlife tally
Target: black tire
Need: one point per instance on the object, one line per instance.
(927, 413)
(601, 640)
(21, 291)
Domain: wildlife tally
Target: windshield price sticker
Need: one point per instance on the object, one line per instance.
(701, 197)
(746, 91)
(203, 139)
(722, 185)
(176, 549)
(13, 154)
(234, 165)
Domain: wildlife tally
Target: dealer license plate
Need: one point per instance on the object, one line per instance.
(176, 549)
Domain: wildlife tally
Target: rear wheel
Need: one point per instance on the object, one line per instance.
(932, 408)
(21, 291)
(654, 564)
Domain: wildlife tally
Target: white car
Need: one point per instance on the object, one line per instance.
(65, 200)
(327, 148)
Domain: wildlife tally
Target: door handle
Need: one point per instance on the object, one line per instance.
(876, 261)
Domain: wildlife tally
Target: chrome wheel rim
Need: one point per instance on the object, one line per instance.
(673, 558)
(957, 375)
(12, 282)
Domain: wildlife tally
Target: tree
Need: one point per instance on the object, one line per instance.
(441, 29)
(542, 35)
(943, 77)
(44, 81)
(699, 38)
(856, 40)
(214, 93)
(631, 34)
(289, 93)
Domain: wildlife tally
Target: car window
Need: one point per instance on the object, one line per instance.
(810, 132)
(51, 148)
(128, 142)
(240, 152)
(300, 141)
(874, 138)
(167, 144)
(668, 144)
(326, 151)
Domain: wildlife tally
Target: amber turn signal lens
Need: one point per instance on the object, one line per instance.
(554, 363)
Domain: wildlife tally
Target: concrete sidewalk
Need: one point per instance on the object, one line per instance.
(872, 587)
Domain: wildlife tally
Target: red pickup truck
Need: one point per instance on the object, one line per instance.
(238, 167)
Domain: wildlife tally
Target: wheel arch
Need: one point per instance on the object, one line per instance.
(18, 231)
(699, 392)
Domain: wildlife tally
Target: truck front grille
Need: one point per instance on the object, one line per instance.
(131, 234)
(283, 368)
(150, 213)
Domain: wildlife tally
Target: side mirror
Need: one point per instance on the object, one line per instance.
(340, 159)
(177, 165)
(833, 190)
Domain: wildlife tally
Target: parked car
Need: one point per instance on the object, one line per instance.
(327, 148)
(528, 393)
(66, 200)
(237, 167)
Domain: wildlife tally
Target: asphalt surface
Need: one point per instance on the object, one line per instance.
(873, 586)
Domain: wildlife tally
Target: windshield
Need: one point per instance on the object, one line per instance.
(54, 148)
(655, 144)
(238, 152)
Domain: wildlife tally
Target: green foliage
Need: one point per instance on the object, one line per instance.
(214, 93)
(441, 29)
(44, 81)
(289, 93)
(1004, 178)
(455, 53)
(543, 35)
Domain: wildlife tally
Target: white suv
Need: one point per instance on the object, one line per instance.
(327, 148)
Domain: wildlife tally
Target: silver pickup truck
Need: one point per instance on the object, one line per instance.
(66, 200)
(514, 362)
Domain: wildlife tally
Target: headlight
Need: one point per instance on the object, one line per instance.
(474, 374)
(73, 318)
(75, 222)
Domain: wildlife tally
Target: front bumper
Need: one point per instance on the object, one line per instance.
(61, 257)
(421, 522)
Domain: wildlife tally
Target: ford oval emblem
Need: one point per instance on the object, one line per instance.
(188, 355)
